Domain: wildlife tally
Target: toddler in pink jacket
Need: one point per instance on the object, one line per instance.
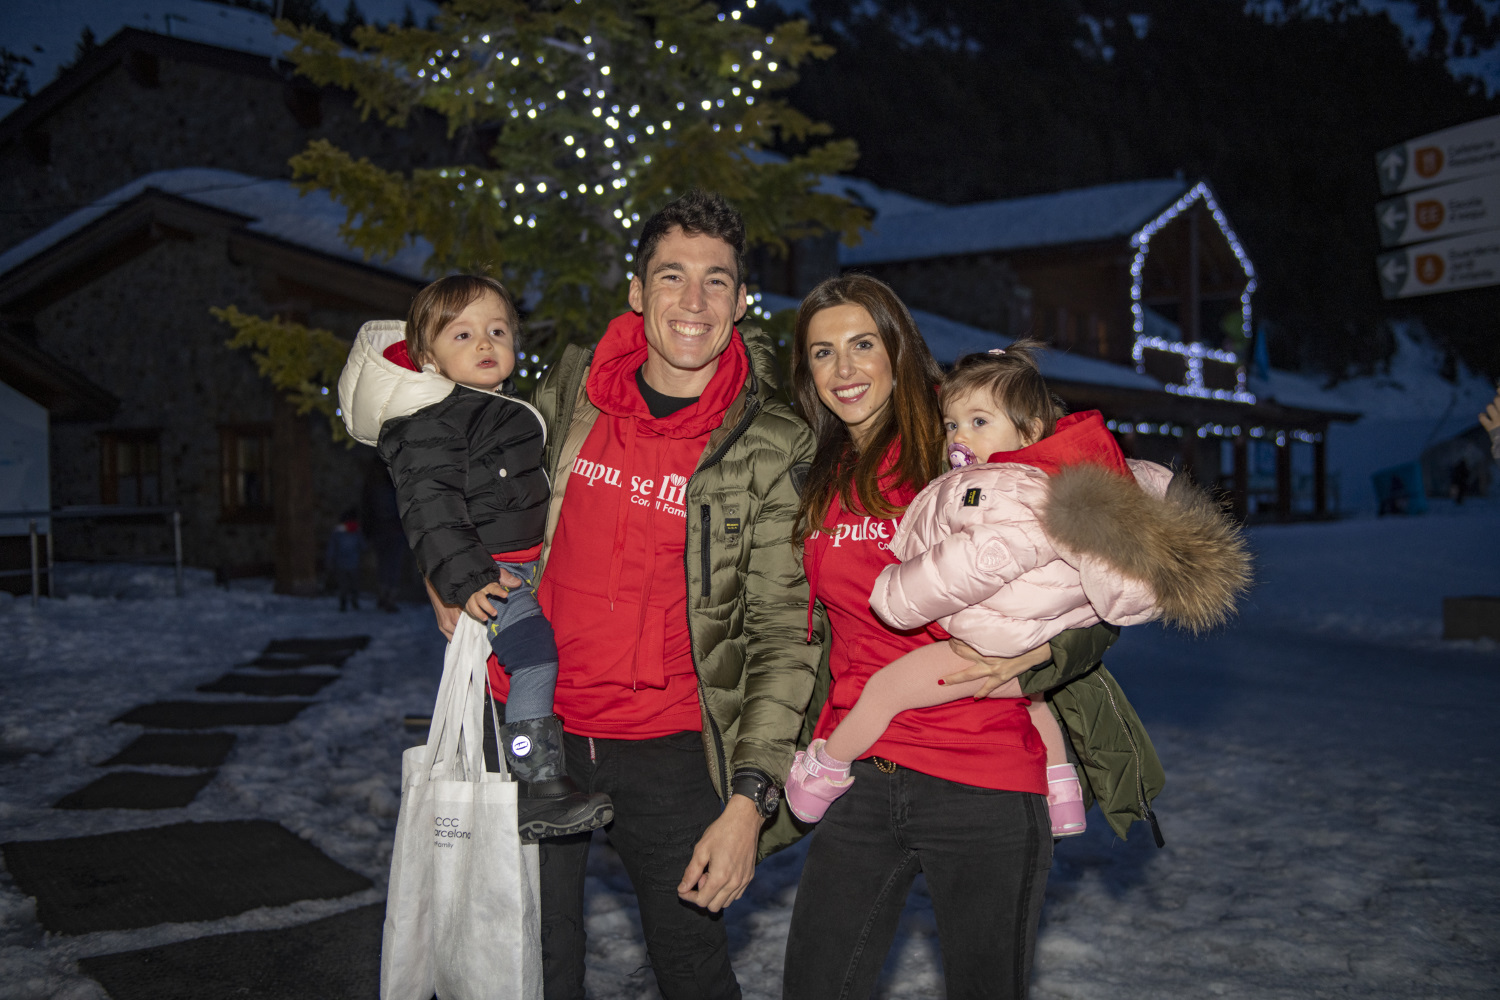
(1042, 525)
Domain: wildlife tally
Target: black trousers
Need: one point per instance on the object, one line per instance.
(664, 800)
(985, 854)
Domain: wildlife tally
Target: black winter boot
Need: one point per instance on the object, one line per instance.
(550, 803)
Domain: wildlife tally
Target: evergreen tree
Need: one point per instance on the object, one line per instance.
(13, 81)
(586, 116)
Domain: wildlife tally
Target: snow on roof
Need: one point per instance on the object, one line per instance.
(1083, 215)
(950, 340)
(47, 31)
(885, 204)
(275, 207)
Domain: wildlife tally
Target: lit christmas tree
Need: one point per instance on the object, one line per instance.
(589, 115)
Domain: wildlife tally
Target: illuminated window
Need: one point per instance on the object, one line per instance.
(245, 472)
(130, 467)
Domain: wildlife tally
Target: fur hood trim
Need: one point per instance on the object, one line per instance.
(1184, 546)
(373, 390)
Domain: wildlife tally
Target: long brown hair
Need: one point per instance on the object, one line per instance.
(839, 470)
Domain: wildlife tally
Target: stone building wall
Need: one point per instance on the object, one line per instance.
(157, 112)
(143, 332)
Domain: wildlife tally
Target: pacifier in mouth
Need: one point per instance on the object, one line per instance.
(959, 456)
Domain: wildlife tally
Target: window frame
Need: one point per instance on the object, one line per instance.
(141, 441)
(233, 505)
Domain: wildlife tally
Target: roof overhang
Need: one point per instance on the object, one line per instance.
(154, 216)
(64, 392)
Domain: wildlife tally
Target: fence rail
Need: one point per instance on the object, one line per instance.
(110, 511)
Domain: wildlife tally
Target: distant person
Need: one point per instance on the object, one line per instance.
(1397, 498)
(1490, 421)
(341, 559)
(466, 458)
(1041, 525)
(1459, 480)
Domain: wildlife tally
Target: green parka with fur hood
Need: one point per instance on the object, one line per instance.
(746, 592)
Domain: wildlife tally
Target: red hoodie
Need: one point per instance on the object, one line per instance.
(615, 589)
(989, 743)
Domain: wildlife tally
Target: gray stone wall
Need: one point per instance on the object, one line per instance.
(143, 331)
(122, 126)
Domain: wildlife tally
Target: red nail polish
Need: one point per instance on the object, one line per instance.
(941, 681)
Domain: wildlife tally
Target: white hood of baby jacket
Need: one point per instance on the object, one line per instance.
(373, 390)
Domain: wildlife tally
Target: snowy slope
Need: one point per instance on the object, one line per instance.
(1330, 809)
(1404, 411)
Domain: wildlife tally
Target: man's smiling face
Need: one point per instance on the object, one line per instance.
(690, 297)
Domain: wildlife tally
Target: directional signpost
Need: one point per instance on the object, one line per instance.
(1452, 154)
(1448, 195)
(1466, 207)
(1471, 261)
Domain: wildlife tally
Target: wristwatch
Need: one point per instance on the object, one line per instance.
(755, 786)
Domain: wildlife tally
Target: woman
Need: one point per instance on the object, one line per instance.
(956, 792)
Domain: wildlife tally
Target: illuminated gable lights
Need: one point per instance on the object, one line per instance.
(1195, 353)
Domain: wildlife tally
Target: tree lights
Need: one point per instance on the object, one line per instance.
(579, 119)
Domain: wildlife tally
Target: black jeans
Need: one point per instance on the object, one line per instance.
(985, 854)
(664, 800)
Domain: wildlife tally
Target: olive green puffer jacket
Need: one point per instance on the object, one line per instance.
(747, 596)
(1116, 761)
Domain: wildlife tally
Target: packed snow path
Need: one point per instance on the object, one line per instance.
(1330, 809)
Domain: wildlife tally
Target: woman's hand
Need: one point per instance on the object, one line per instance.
(995, 670)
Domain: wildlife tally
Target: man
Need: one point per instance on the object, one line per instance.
(677, 597)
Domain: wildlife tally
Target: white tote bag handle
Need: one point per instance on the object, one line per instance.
(456, 737)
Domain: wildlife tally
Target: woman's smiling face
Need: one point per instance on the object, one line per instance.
(850, 368)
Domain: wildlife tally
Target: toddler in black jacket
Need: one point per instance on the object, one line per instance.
(467, 465)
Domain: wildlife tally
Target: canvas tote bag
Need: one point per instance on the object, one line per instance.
(462, 917)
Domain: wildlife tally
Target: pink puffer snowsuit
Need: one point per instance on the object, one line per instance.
(975, 558)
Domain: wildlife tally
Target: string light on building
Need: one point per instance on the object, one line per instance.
(1194, 355)
(1141, 241)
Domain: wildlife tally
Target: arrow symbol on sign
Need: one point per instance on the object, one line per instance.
(1393, 270)
(1392, 163)
(1394, 218)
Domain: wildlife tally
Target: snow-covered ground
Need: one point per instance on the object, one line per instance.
(1330, 813)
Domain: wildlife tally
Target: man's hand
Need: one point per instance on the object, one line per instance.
(446, 614)
(724, 858)
(1490, 418)
(996, 670)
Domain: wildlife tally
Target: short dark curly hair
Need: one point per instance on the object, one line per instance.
(697, 213)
